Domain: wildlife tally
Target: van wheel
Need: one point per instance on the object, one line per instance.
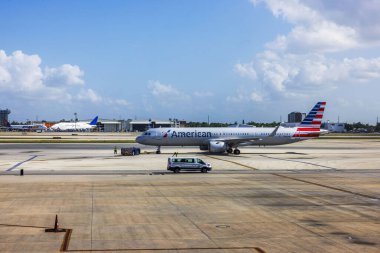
(204, 170)
(176, 170)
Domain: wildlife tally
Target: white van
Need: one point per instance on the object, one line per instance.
(176, 164)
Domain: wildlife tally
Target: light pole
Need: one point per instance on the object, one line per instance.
(76, 120)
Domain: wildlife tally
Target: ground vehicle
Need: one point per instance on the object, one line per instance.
(130, 151)
(176, 164)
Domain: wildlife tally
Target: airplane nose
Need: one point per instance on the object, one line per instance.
(139, 139)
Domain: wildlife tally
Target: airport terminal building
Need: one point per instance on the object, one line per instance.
(143, 125)
(105, 125)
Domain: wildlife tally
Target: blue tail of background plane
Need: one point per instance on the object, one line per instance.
(94, 121)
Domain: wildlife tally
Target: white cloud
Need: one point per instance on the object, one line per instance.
(121, 102)
(159, 89)
(64, 75)
(312, 32)
(20, 72)
(242, 95)
(237, 98)
(162, 99)
(166, 94)
(290, 73)
(246, 70)
(256, 97)
(362, 16)
(22, 78)
(21, 75)
(301, 63)
(203, 94)
(89, 95)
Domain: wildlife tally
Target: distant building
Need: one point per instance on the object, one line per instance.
(4, 117)
(335, 127)
(296, 117)
(104, 125)
(143, 125)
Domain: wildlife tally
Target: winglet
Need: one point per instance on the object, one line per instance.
(94, 121)
(274, 131)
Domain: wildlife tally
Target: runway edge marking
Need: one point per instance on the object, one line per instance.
(21, 163)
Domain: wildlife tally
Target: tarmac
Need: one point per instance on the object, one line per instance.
(313, 196)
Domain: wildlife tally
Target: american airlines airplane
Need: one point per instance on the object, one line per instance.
(228, 139)
(75, 126)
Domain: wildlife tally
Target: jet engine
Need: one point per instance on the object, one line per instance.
(217, 146)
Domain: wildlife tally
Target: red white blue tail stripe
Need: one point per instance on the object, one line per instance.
(311, 125)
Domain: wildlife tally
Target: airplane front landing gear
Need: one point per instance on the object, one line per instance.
(158, 151)
(237, 151)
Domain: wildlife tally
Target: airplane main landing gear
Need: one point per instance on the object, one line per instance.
(158, 151)
(237, 151)
(229, 150)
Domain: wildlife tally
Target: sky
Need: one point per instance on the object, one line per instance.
(230, 60)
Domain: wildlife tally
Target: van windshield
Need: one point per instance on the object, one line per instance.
(201, 162)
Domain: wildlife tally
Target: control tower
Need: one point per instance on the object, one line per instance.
(4, 117)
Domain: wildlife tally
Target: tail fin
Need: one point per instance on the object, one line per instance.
(94, 121)
(314, 118)
(310, 127)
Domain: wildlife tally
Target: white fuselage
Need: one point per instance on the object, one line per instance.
(72, 126)
(32, 127)
(202, 136)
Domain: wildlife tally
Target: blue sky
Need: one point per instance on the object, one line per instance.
(232, 60)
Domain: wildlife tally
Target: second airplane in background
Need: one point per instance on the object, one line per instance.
(75, 126)
(228, 139)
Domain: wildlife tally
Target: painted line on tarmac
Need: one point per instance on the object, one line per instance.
(21, 226)
(66, 240)
(257, 249)
(21, 163)
(327, 186)
(240, 164)
(295, 161)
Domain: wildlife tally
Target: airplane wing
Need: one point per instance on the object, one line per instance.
(237, 141)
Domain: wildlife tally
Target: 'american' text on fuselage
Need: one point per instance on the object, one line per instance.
(191, 134)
